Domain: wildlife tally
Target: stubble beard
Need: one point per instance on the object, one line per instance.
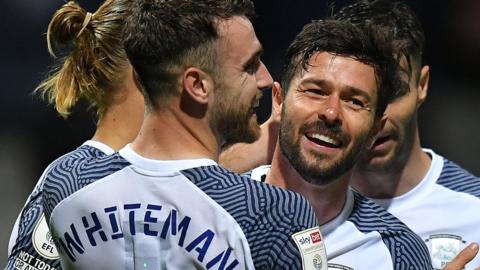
(313, 171)
(233, 122)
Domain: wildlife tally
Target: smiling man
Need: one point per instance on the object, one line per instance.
(336, 84)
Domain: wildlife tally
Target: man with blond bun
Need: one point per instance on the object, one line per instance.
(96, 70)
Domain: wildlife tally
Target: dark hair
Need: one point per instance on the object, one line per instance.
(407, 33)
(163, 37)
(365, 44)
(95, 62)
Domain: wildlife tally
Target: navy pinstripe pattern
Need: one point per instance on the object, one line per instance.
(408, 251)
(31, 214)
(33, 210)
(268, 215)
(72, 174)
(247, 174)
(458, 179)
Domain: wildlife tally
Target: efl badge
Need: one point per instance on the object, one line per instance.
(312, 249)
(42, 240)
(443, 248)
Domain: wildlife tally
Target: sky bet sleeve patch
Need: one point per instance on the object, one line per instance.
(312, 249)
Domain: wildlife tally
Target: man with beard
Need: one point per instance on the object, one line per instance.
(435, 197)
(335, 86)
(162, 202)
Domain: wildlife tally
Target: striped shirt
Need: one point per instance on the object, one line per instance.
(365, 236)
(30, 243)
(92, 208)
(442, 209)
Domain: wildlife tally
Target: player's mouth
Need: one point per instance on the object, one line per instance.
(323, 140)
(381, 143)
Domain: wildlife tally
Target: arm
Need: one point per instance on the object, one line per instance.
(33, 245)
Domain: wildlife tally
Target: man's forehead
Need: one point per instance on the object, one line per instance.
(322, 62)
(328, 69)
(236, 26)
(238, 38)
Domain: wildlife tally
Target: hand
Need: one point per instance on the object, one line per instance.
(242, 157)
(464, 257)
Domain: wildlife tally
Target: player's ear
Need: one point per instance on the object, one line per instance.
(422, 86)
(197, 84)
(277, 101)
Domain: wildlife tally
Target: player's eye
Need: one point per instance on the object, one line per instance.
(316, 91)
(253, 66)
(356, 104)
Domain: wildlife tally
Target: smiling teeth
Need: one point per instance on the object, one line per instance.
(325, 139)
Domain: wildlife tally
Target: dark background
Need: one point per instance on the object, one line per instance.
(32, 135)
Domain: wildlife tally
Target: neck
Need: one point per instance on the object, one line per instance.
(171, 134)
(121, 121)
(327, 200)
(404, 175)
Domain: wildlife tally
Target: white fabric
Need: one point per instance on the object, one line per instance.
(347, 247)
(100, 146)
(162, 165)
(445, 219)
(150, 183)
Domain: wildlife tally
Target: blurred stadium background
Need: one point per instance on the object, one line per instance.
(32, 135)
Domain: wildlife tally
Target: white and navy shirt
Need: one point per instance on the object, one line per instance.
(443, 209)
(364, 236)
(182, 214)
(31, 245)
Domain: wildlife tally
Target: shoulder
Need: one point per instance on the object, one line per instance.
(269, 216)
(32, 232)
(369, 216)
(80, 168)
(75, 171)
(33, 208)
(80, 161)
(258, 198)
(406, 247)
(458, 179)
(365, 212)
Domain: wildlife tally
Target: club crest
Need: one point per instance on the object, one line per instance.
(443, 248)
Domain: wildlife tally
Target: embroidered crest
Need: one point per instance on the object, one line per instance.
(443, 248)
